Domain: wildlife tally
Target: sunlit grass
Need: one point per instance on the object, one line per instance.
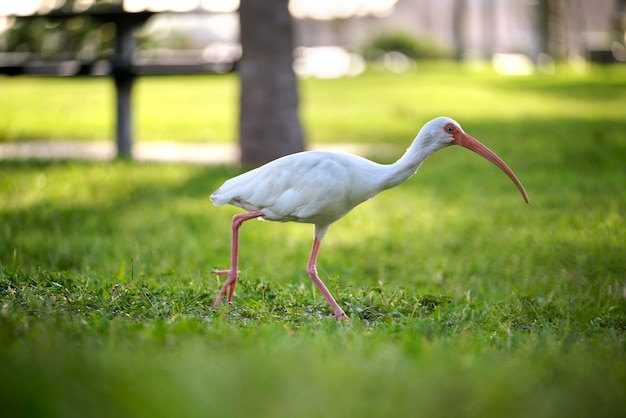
(204, 108)
(191, 108)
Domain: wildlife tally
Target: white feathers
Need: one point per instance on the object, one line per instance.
(310, 187)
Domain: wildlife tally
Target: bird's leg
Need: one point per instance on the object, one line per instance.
(233, 272)
(311, 269)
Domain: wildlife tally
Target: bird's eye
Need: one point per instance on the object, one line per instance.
(449, 128)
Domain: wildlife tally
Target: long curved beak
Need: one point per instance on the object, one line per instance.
(471, 144)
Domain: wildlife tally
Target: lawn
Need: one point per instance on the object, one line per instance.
(464, 300)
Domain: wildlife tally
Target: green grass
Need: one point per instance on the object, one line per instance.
(191, 108)
(204, 108)
(464, 300)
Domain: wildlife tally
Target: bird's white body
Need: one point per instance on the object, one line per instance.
(314, 187)
(320, 187)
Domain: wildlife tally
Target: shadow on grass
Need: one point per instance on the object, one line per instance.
(607, 85)
(82, 215)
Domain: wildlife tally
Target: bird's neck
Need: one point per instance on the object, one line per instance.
(407, 165)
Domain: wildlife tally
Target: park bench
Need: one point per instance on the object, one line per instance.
(120, 66)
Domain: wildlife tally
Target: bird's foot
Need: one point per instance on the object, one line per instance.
(341, 316)
(228, 287)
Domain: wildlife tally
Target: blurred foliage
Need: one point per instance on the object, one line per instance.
(78, 37)
(81, 37)
(406, 44)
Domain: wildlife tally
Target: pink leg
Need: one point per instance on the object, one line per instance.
(338, 313)
(233, 273)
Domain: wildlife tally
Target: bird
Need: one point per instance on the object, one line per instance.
(320, 187)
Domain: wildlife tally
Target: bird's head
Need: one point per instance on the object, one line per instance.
(442, 132)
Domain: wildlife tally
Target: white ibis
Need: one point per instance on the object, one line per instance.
(319, 187)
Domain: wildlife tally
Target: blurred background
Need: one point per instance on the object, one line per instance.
(331, 38)
(324, 39)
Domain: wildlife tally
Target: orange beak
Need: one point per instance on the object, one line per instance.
(466, 141)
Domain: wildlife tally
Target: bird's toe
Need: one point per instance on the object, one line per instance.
(341, 316)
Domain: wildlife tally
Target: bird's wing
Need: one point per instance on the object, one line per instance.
(313, 187)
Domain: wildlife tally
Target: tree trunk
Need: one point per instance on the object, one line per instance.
(488, 29)
(269, 126)
(459, 10)
(549, 28)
